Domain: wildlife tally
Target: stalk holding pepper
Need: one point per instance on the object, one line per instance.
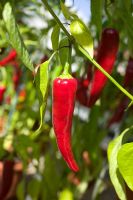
(64, 91)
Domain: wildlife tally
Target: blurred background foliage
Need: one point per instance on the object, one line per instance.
(37, 164)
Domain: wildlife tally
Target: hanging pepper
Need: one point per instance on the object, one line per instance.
(10, 57)
(64, 91)
(2, 92)
(106, 57)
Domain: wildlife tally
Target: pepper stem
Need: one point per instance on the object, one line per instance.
(66, 69)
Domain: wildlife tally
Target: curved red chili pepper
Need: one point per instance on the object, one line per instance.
(11, 56)
(106, 57)
(2, 92)
(64, 91)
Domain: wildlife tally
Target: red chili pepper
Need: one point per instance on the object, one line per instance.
(106, 57)
(64, 91)
(2, 92)
(11, 56)
(128, 80)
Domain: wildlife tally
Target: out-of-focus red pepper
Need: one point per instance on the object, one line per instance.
(10, 57)
(64, 91)
(106, 57)
(2, 92)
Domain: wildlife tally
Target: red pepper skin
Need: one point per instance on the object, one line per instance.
(106, 57)
(11, 56)
(128, 80)
(64, 91)
(2, 92)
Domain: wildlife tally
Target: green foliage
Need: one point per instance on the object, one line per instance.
(125, 160)
(82, 35)
(27, 25)
(42, 81)
(14, 36)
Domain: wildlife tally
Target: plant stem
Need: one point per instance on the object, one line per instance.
(86, 54)
(106, 74)
(57, 19)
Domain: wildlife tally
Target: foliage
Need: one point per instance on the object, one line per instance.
(44, 44)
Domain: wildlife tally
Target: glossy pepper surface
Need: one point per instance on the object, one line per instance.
(64, 91)
(106, 57)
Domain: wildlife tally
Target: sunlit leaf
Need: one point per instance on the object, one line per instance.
(82, 35)
(125, 163)
(55, 37)
(42, 81)
(14, 36)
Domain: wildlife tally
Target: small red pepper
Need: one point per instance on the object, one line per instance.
(2, 92)
(10, 57)
(106, 57)
(64, 91)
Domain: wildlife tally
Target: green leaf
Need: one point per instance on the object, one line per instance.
(125, 163)
(65, 11)
(96, 14)
(55, 37)
(82, 35)
(25, 148)
(34, 187)
(14, 36)
(114, 172)
(64, 51)
(21, 190)
(42, 82)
